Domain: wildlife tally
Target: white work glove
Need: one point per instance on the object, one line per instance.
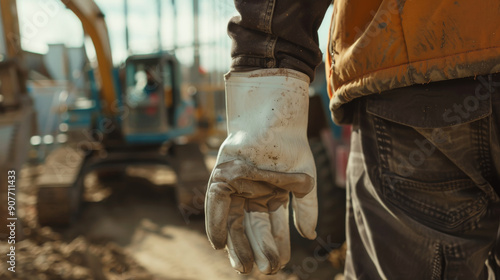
(265, 157)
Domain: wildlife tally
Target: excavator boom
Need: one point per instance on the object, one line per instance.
(95, 26)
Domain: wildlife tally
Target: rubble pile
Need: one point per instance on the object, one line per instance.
(43, 255)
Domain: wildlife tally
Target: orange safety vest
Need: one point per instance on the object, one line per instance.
(378, 45)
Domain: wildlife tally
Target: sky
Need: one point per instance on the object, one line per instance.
(44, 22)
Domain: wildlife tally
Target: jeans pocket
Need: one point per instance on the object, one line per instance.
(434, 157)
(448, 206)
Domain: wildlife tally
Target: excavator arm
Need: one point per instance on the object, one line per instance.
(94, 25)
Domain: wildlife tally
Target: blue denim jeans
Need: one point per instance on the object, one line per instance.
(424, 169)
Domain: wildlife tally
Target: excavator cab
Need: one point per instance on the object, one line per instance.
(154, 110)
(144, 96)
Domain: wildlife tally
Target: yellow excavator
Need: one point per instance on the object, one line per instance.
(138, 117)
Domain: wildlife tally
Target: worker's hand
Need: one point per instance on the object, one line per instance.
(265, 157)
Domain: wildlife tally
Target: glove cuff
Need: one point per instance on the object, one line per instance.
(267, 120)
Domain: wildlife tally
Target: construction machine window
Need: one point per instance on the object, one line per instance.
(145, 96)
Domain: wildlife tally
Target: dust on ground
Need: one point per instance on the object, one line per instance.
(131, 228)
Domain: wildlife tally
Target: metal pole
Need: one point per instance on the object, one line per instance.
(127, 36)
(196, 65)
(158, 6)
(174, 25)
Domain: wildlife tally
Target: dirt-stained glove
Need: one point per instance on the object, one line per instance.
(265, 157)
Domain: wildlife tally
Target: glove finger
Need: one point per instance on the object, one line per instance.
(238, 246)
(259, 233)
(281, 233)
(217, 204)
(305, 214)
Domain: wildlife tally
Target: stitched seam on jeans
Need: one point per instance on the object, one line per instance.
(271, 39)
(272, 46)
(383, 142)
(264, 24)
(484, 151)
(454, 249)
(447, 215)
(458, 184)
(400, 199)
(269, 16)
(451, 217)
(437, 262)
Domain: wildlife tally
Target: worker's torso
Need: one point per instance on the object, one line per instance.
(380, 45)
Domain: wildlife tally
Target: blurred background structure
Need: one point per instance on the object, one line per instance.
(111, 114)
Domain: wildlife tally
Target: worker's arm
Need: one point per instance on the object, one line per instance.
(277, 34)
(266, 156)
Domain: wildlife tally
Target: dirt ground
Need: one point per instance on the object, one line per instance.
(131, 228)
